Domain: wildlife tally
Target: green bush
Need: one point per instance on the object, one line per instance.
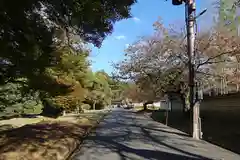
(99, 106)
(17, 99)
(50, 109)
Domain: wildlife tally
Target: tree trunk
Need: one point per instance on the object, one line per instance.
(145, 106)
(166, 120)
(94, 106)
(187, 102)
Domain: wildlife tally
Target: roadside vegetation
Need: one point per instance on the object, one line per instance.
(158, 66)
(45, 72)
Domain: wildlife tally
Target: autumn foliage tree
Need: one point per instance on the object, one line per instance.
(158, 63)
(43, 42)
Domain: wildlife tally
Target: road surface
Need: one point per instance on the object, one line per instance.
(125, 135)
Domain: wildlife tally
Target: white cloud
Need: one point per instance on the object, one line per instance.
(120, 37)
(127, 45)
(136, 19)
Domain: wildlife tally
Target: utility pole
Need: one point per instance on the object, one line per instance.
(190, 23)
(190, 7)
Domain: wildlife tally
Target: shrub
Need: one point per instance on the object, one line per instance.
(99, 106)
(50, 109)
(17, 100)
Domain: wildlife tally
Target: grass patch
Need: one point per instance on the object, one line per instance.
(48, 139)
(19, 122)
(140, 109)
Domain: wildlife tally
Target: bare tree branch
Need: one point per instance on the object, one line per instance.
(208, 61)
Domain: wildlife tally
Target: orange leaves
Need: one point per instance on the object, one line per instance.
(166, 51)
(72, 99)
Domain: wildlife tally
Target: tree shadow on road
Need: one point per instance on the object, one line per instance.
(147, 133)
(124, 150)
(126, 143)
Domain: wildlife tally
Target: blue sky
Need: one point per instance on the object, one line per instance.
(144, 13)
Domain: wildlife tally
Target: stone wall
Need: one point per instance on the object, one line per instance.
(229, 102)
(176, 105)
(220, 121)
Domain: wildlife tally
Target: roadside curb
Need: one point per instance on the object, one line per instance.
(88, 131)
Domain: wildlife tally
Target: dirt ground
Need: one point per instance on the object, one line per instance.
(44, 138)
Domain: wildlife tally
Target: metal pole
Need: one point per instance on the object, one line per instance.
(194, 109)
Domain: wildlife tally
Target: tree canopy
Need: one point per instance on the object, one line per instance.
(158, 64)
(30, 30)
(44, 54)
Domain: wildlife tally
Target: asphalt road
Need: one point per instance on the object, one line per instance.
(125, 135)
